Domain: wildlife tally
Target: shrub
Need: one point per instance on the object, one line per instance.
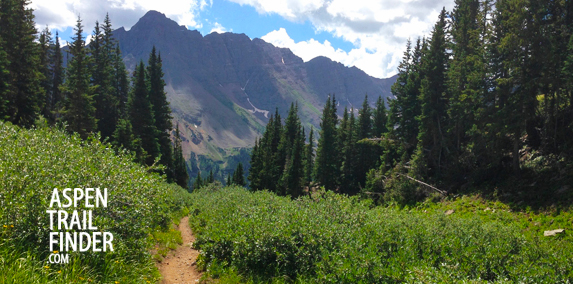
(336, 239)
(34, 162)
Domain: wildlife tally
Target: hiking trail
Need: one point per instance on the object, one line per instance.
(179, 266)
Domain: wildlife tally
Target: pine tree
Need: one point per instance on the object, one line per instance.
(405, 107)
(120, 82)
(106, 102)
(79, 110)
(4, 86)
(309, 158)
(229, 180)
(141, 115)
(348, 149)
(293, 175)
(181, 176)
(255, 173)
(466, 84)
(433, 119)
(198, 181)
(161, 111)
(238, 176)
(366, 160)
(24, 96)
(289, 159)
(327, 164)
(380, 119)
(123, 137)
(57, 81)
(45, 56)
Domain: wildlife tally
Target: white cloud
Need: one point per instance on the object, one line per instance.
(378, 63)
(218, 28)
(61, 14)
(377, 29)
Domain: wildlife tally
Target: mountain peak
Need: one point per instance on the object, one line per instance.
(153, 20)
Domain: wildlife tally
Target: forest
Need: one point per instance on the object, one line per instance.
(462, 175)
(484, 103)
(92, 95)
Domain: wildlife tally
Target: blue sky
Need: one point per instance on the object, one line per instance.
(370, 35)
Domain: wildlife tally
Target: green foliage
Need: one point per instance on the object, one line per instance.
(161, 114)
(330, 238)
(327, 163)
(140, 114)
(102, 49)
(22, 99)
(33, 163)
(239, 176)
(79, 109)
(180, 175)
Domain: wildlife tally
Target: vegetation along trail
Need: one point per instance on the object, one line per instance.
(179, 266)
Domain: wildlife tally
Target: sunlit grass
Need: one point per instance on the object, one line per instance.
(33, 163)
(335, 239)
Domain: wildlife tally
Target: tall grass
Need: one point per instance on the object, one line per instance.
(336, 239)
(33, 163)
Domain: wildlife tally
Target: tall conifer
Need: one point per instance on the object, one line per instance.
(141, 114)
(79, 109)
(161, 111)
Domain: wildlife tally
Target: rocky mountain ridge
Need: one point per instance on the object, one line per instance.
(222, 87)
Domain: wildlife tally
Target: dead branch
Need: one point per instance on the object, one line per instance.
(423, 183)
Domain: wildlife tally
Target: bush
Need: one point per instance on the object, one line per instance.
(34, 162)
(336, 239)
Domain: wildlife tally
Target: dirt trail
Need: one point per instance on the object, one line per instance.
(179, 266)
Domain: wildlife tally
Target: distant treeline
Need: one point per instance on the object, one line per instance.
(486, 99)
(92, 95)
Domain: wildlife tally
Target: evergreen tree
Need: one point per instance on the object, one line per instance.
(309, 158)
(56, 99)
(327, 164)
(102, 52)
(161, 111)
(79, 109)
(293, 175)
(23, 95)
(271, 168)
(120, 82)
(405, 107)
(229, 180)
(430, 155)
(211, 178)
(466, 84)
(366, 159)
(380, 119)
(198, 181)
(123, 137)
(45, 56)
(289, 159)
(255, 174)
(141, 115)
(348, 139)
(238, 176)
(181, 176)
(4, 86)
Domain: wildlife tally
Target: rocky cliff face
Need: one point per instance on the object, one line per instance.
(222, 87)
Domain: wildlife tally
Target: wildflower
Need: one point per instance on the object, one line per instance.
(46, 267)
(59, 271)
(11, 226)
(5, 226)
(56, 251)
(116, 282)
(81, 278)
